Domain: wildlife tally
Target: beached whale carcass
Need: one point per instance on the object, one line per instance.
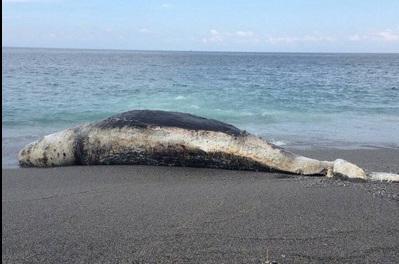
(151, 137)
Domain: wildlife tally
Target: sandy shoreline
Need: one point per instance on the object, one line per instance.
(139, 214)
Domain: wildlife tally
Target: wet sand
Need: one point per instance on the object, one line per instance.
(139, 214)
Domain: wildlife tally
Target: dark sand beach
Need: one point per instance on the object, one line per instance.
(139, 214)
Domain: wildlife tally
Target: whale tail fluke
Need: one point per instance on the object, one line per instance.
(383, 176)
(344, 169)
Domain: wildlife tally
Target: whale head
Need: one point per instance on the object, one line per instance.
(57, 149)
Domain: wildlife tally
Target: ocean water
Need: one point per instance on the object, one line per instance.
(299, 100)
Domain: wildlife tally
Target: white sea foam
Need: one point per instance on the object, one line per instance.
(180, 97)
(279, 142)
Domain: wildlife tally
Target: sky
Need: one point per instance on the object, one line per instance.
(204, 25)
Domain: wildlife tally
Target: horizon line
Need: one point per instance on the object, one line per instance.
(210, 51)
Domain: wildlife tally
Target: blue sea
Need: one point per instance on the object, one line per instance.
(291, 99)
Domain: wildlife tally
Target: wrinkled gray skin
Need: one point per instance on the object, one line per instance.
(172, 139)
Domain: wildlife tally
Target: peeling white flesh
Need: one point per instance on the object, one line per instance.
(101, 145)
(163, 140)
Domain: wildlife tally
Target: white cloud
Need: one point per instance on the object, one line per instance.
(299, 39)
(318, 38)
(240, 33)
(251, 37)
(387, 35)
(213, 37)
(217, 37)
(108, 30)
(276, 40)
(356, 37)
(144, 30)
(166, 5)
